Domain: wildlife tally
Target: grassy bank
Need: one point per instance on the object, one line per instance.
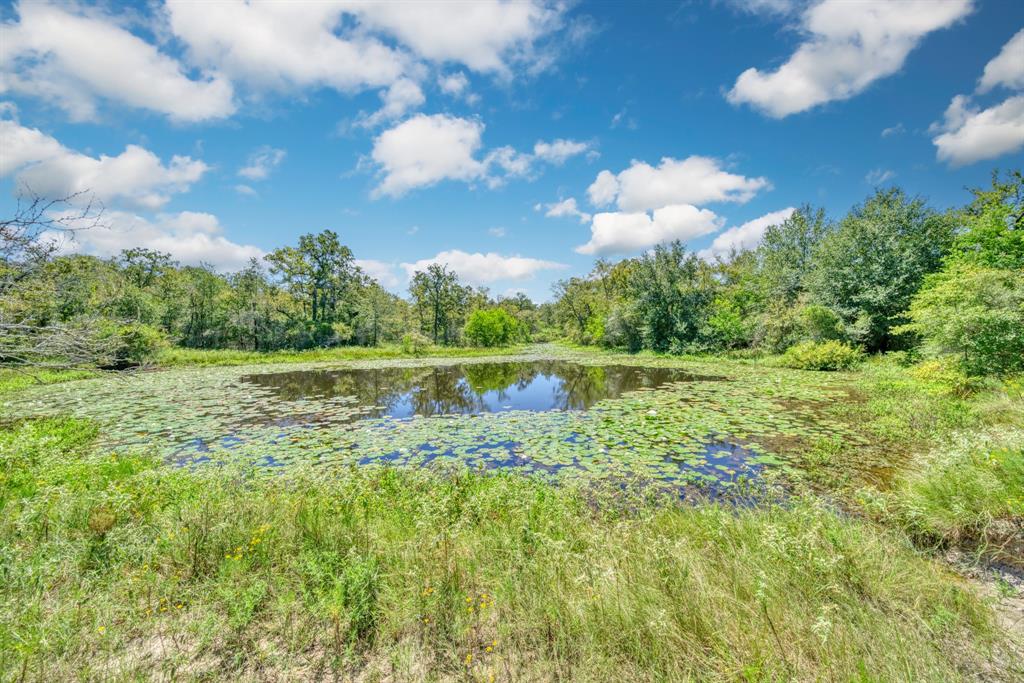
(15, 380)
(177, 356)
(115, 567)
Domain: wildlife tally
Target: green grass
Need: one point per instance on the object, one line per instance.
(16, 380)
(968, 492)
(115, 567)
(177, 356)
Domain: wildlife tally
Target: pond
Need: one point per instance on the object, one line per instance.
(469, 388)
(562, 416)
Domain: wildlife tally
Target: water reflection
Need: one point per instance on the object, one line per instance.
(469, 388)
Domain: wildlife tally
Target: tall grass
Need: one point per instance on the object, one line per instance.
(116, 567)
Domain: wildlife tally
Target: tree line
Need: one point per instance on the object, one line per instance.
(893, 274)
(311, 295)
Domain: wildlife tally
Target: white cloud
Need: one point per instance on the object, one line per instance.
(425, 150)
(898, 129)
(558, 151)
(403, 96)
(381, 271)
(969, 134)
(284, 45)
(189, 237)
(618, 232)
(694, 180)
(245, 190)
(453, 84)
(746, 236)
(776, 7)
(849, 46)
(74, 59)
(478, 268)
(566, 207)
(514, 164)
(485, 35)
(879, 176)
(1007, 68)
(496, 232)
(136, 177)
(261, 162)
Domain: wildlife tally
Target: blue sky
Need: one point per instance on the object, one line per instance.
(448, 132)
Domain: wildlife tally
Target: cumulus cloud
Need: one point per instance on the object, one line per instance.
(75, 59)
(485, 35)
(1007, 68)
(694, 180)
(969, 134)
(558, 151)
(381, 271)
(566, 207)
(261, 162)
(848, 46)
(135, 178)
(746, 236)
(453, 84)
(245, 190)
(189, 237)
(426, 149)
(74, 56)
(283, 45)
(404, 95)
(619, 232)
(478, 268)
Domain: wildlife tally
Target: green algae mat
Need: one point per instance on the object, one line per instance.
(562, 415)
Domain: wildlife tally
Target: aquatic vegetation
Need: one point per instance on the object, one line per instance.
(651, 420)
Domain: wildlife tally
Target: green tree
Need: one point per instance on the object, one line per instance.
(672, 292)
(868, 268)
(440, 302)
(492, 327)
(321, 273)
(975, 313)
(785, 255)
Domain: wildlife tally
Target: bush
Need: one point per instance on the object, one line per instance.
(976, 314)
(821, 323)
(128, 345)
(829, 355)
(492, 327)
(414, 344)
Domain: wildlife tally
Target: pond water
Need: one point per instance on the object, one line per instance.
(469, 388)
(561, 416)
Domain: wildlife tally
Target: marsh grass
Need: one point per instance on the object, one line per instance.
(115, 567)
(16, 380)
(968, 492)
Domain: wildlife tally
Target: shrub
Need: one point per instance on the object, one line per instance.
(975, 314)
(128, 345)
(829, 355)
(492, 327)
(414, 343)
(821, 323)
